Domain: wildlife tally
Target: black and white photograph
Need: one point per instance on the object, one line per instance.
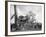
(25, 18)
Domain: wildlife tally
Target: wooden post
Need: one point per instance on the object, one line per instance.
(15, 16)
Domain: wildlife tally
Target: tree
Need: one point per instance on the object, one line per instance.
(32, 16)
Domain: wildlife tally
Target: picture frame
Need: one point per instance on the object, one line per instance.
(8, 27)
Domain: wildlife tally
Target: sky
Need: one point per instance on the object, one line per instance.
(25, 9)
